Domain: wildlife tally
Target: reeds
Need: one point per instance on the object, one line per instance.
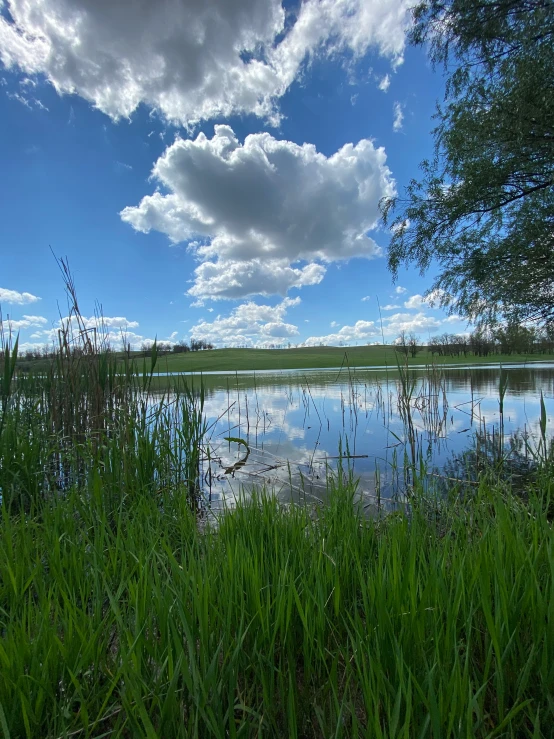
(88, 417)
(280, 622)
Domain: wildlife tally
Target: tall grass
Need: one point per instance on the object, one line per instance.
(280, 622)
(89, 415)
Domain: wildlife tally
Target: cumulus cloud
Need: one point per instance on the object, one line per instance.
(434, 298)
(416, 301)
(115, 338)
(107, 321)
(109, 327)
(361, 331)
(249, 324)
(438, 297)
(366, 298)
(399, 290)
(191, 59)
(410, 322)
(24, 323)
(390, 306)
(398, 120)
(259, 216)
(12, 296)
(228, 279)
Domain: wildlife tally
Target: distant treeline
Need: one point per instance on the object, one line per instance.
(180, 347)
(163, 347)
(514, 339)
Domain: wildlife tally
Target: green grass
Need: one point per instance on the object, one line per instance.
(135, 622)
(315, 357)
(231, 360)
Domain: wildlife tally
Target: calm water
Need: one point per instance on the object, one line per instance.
(296, 423)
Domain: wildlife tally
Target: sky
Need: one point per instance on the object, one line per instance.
(212, 169)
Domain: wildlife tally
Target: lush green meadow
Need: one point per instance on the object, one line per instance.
(316, 357)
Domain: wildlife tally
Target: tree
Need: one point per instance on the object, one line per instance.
(181, 347)
(484, 207)
(401, 343)
(413, 344)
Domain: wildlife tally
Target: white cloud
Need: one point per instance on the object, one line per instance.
(229, 279)
(390, 306)
(249, 324)
(254, 212)
(361, 331)
(416, 301)
(438, 297)
(367, 297)
(28, 102)
(409, 322)
(12, 296)
(191, 59)
(24, 323)
(111, 327)
(398, 117)
(384, 84)
(97, 322)
(399, 290)
(432, 299)
(333, 324)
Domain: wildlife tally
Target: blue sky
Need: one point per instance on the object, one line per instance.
(211, 169)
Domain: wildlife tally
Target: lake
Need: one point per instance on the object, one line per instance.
(295, 424)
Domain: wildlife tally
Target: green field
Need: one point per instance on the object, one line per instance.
(315, 357)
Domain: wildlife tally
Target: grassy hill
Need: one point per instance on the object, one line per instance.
(231, 360)
(311, 357)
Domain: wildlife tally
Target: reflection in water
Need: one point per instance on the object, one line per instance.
(379, 426)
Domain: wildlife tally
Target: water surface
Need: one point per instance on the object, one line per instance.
(297, 423)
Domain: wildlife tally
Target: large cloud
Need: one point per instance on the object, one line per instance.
(249, 324)
(12, 296)
(255, 209)
(190, 59)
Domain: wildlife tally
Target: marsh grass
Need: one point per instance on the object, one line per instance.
(282, 621)
(88, 416)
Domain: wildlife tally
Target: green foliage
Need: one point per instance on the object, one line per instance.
(484, 206)
(90, 421)
(278, 622)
